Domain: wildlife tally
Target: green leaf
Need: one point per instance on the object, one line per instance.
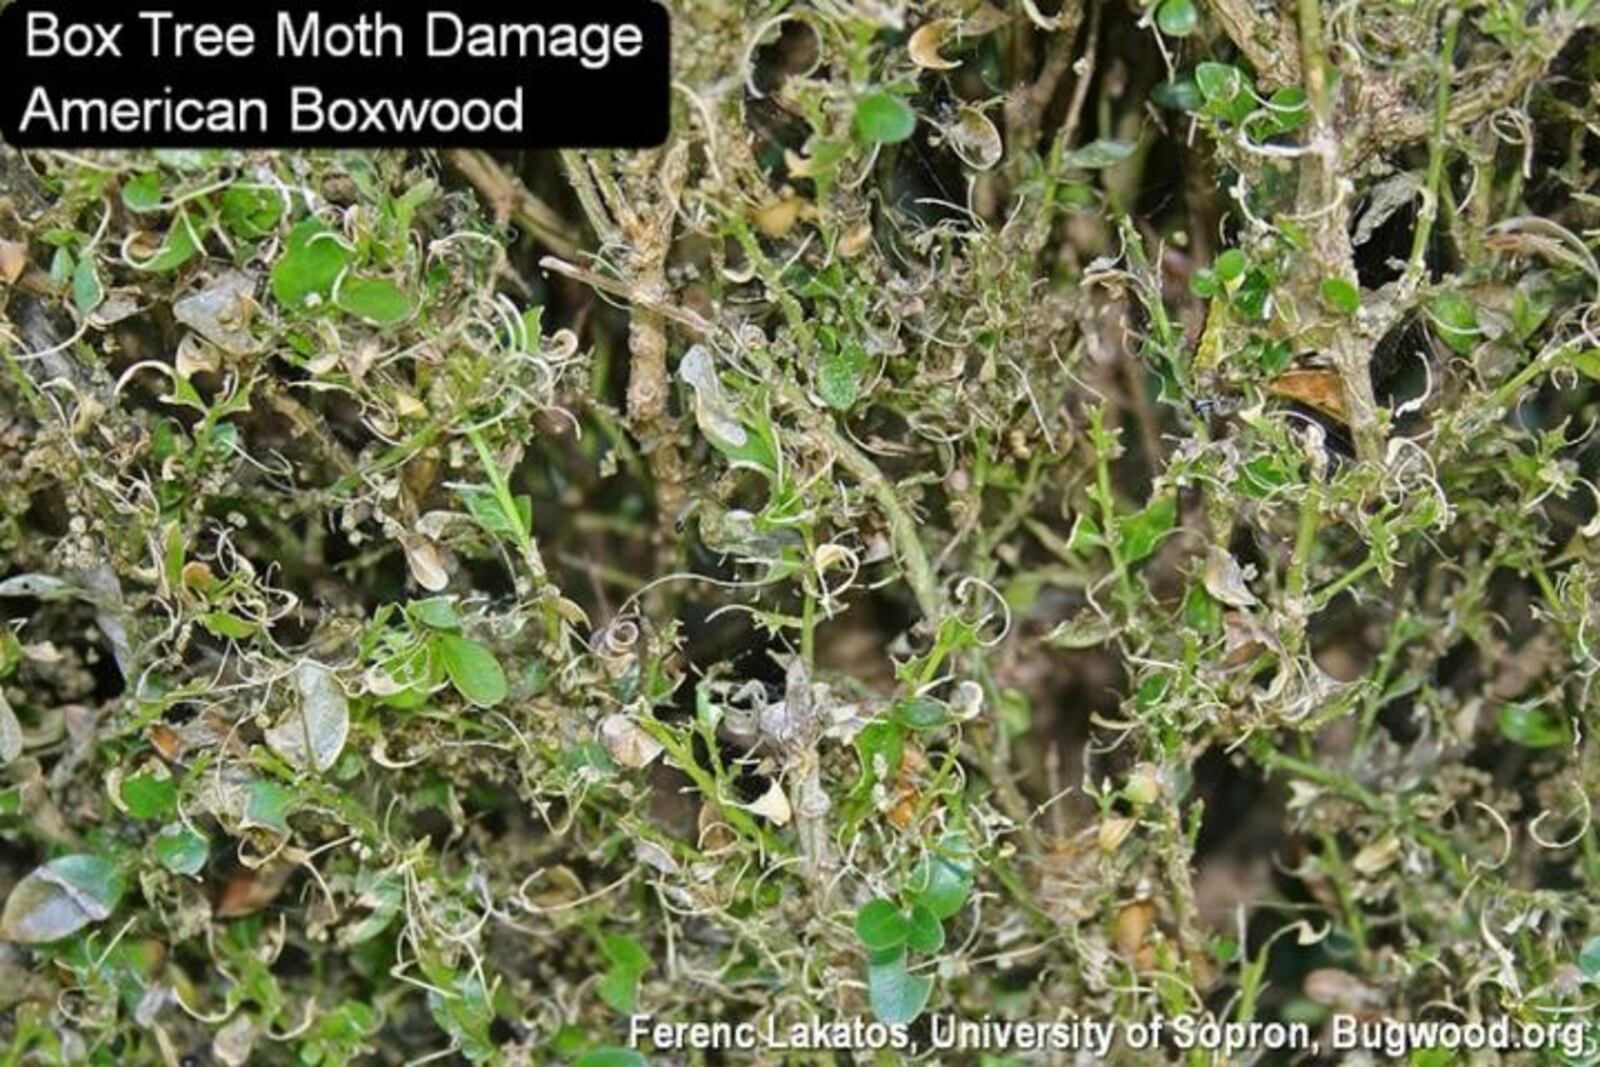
(1142, 531)
(923, 713)
(472, 669)
(1180, 94)
(223, 624)
(625, 953)
(383, 892)
(309, 266)
(1230, 265)
(1290, 106)
(1254, 296)
(1098, 154)
(1589, 959)
(881, 746)
(61, 898)
(881, 926)
(1588, 363)
(180, 247)
(406, 205)
(942, 882)
(87, 292)
(267, 806)
(466, 1014)
(837, 377)
(1341, 295)
(149, 797)
(1531, 726)
(437, 612)
(883, 118)
(1455, 321)
(61, 266)
(897, 996)
(629, 961)
(1177, 18)
(377, 300)
(250, 213)
(611, 1057)
(484, 504)
(1085, 534)
(927, 932)
(181, 850)
(143, 193)
(1218, 81)
(1227, 90)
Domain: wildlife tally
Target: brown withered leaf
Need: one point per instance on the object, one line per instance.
(247, 891)
(1132, 926)
(1315, 388)
(13, 260)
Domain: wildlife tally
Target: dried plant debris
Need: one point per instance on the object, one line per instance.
(1014, 509)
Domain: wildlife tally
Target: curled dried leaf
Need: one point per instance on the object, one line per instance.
(1377, 855)
(1114, 831)
(13, 260)
(1225, 579)
(779, 217)
(773, 805)
(195, 356)
(855, 241)
(1335, 988)
(926, 42)
(1133, 924)
(1315, 388)
(975, 139)
(425, 561)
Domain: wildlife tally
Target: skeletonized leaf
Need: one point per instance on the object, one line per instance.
(1087, 629)
(221, 313)
(897, 996)
(61, 898)
(10, 733)
(975, 139)
(234, 1042)
(627, 742)
(712, 411)
(43, 586)
(313, 734)
(1099, 154)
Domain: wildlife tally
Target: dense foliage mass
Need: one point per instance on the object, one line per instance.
(1015, 509)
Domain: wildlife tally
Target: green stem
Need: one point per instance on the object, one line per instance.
(1436, 150)
(919, 571)
(1108, 511)
(1314, 64)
